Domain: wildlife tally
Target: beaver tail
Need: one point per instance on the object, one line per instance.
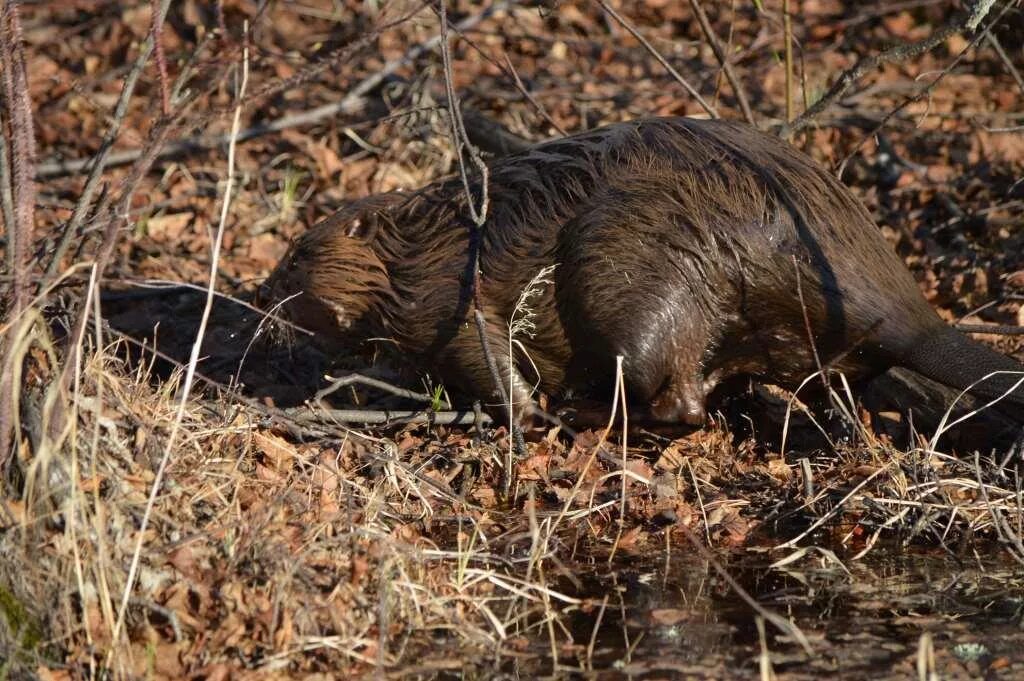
(951, 358)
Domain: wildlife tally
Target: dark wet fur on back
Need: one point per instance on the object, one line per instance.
(677, 243)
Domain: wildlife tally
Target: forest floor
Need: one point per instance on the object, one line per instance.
(160, 524)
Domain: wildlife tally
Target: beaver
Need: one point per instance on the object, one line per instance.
(698, 250)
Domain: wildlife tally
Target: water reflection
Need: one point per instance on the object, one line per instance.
(645, 621)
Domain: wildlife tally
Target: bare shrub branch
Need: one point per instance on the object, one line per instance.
(900, 53)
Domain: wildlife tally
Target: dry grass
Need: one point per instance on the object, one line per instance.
(162, 519)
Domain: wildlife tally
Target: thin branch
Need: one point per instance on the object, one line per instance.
(479, 216)
(925, 90)
(23, 149)
(382, 417)
(784, 625)
(787, 32)
(657, 55)
(339, 383)
(155, 38)
(6, 197)
(900, 53)
(997, 329)
(998, 47)
(19, 224)
(723, 60)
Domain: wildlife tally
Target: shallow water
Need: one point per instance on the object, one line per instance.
(682, 620)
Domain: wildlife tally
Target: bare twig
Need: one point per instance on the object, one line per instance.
(928, 88)
(339, 383)
(19, 219)
(660, 59)
(998, 329)
(530, 98)
(787, 32)
(6, 197)
(809, 329)
(781, 623)
(155, 37)
(479, 217)
(382, 417)
(509, 70)
(22, 149)
(194, 358)
(998, 47)
(900, 53)
(723, 60)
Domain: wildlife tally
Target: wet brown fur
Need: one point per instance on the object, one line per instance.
(677, 243)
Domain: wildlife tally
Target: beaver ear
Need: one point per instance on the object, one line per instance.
(363, 227)
(356, 229)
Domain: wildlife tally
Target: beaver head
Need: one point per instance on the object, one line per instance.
(331, 282)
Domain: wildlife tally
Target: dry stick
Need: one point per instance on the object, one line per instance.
(155, 38)
(509, 70)
(1003, 530)
(479, 217)
(384, 416)
(99, 160)
(339, 383)
(723, 60)
(657, 55)
(931, 86)
(23, 196)
(998, 329)
(998, 47)
(787, 32)
(781, 623)
(530, 98)
(193, 359)
(896, 54)
(23, 148)
(6, 198)
(810, 330)
(350, 102)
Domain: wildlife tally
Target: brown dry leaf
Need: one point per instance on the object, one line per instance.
(631, 537)
(91, 484)
(46, 674)
(278, 452)
(159, 660)
(640, 468)
(219, 671)
(778, 469)
(168, 228)
(268, 474)
(535, 467)
(485, 496)
(13, 509)
(668, 616)
(285, 633)
(266, 249)
(328, 163)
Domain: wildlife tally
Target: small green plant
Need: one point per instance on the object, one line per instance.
(436, 401)
(290, 189)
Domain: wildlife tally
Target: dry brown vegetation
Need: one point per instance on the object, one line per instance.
(176, 510)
